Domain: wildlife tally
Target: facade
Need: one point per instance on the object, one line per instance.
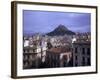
(34, 55)
(82, 53)
(58, 57)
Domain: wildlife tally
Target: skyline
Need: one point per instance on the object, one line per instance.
(47, 21)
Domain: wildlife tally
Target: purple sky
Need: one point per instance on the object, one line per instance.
(44, 21)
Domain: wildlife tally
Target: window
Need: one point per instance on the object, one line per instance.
(83, 61)
(76, 64)
(33, 50)
(75, 58)
(88, 51)
(76, 50)
(24, 51)
(25, 57)
(88, 62)
(30, 57)
(83, 50)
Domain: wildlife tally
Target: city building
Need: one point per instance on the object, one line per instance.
(81, 53)
(58, 57)
(57, 51)
(34, 54)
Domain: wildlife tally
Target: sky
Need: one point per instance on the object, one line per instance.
(47, 21)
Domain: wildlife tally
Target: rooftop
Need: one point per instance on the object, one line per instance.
(60, 50)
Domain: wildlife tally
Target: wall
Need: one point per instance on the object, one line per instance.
(5, 41)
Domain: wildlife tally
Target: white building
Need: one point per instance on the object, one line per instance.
(33, 56)
(26, 43)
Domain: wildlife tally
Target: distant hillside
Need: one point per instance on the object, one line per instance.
(60, 30)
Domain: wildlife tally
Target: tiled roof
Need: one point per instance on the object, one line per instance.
(60, 50)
